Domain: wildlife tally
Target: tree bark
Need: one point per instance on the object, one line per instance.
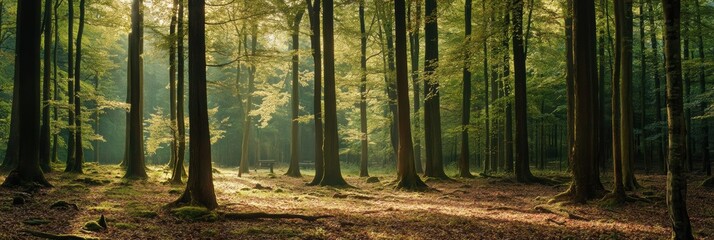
(46, 64)
(70, 87)
(523, 173)
(179, 170)
(294, 168)
(364, 157)
(314, 13)
(407, 177)
(135, 167)
(78, 147)
(464, 170)
(702, 87)
(172, 85)
(199, 188)
(414, 46)
(27, 52)
(248, 123)
(332, 175)
(658, 88)
(676, 181)
(432, 114)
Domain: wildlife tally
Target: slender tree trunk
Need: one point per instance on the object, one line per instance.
(294, 168)
(407, 177)
(414, 45)
(464, 170)
(569, 82)
(432, 114)
(54, 157)
(332, 175)
(644, 147)
(248, 123)
(172, 85)
(179, 170)
(135, 168)
(676, 181)
(199, 188)
(78, 148)
(47, 63)
(27, 52)
(658, 88)
(702, 87)
(314, 13)
(487, 121)
(626, 112)
(618, 191)
(364, 157)
(523, 173)
(70, 87)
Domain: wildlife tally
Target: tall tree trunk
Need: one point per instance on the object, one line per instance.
(55, 91)
(70, 87)
(314, 13)
(626, 112)
(332, 175)
(432, 114)
(676, 181)
(570, 82)
(584, 186)
(46, 78)
(199, 188)
(27, 52)
(172, 85)
(294, 168)
(78, 148)
(658, 88)
(364, 157)
(414, 46)
(618, 191)
(248, 123)
(644, 147)
(523, 173)
(487, 121)
(407, 177)
(179, 170)
(135, 168)
(505, 147)
(464, 170)
(387, 21)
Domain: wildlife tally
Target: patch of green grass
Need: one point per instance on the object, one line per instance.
(193, 213)
(74, 187)
(125, 226)
(122, 192)
(139, 210)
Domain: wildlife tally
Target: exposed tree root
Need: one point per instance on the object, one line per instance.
(709, 183)
(558, 210)
(263, 215)
(54, 236)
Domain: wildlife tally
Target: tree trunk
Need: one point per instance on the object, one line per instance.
(332, 175)
(364, 157)
(626, 112)
(432, 114)
(569, 83)
(135, 168)
(702, 87)
(618, 191)
(248, 123)
(172, 85)
(78, 148)
(584, 186)
(314, 13)
(523, 173)
(27, 52)
(464, 170)
(179, 170)
(47, 63)
(644, 147)
(199, 188)
(658, 88)
(414, 46)
(487, 121)
(70, 87)
(407, 177)
(676, 181)
(54, 157)
(294, 169)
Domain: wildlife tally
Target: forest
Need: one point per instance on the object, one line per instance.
(356, 119)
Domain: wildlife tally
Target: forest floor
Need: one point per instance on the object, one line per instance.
(480, 208)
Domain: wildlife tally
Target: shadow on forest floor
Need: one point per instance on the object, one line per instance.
(480, 208)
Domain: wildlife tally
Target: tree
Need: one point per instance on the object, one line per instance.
(78, 148)
(584, 186)
(12, 151)
(658, 89)
(704, 142)
(626, 112)
(432, 116)
(676, 182)
(621, 49)
(294, 169)
(313, 8)
(332, 175)
(364, 158)
(46, 64)
(179, 169)
(414, 47)
(55, 136)
(464, 170)
(135, 168)
(199, 188)
(172, 85)
(248, 121)
(523, 172)
(70, 87)
(28, 171)
(569, 80)
(407, 177)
